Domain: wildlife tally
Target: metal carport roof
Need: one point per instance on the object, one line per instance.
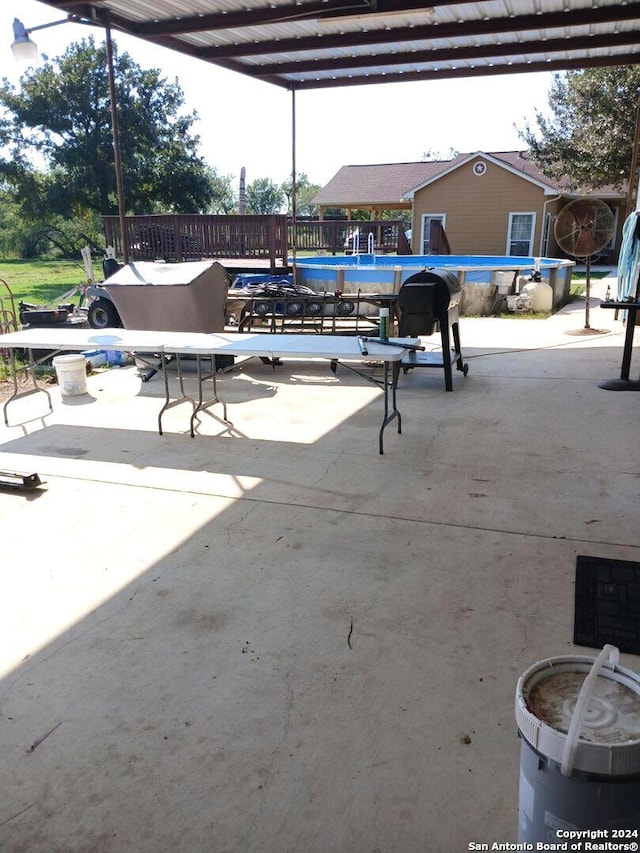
(305, 44)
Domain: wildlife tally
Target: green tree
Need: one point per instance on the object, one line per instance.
(305, 191)
(60, 115)
(264, 196)
(223, 200)
(587, 139)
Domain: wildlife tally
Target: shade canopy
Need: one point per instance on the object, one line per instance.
(306, 44)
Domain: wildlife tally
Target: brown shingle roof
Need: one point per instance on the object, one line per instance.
(519, 161)
(387, 183)
(383, 183)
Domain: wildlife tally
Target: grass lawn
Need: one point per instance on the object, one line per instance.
(579, 282)
(39, 282)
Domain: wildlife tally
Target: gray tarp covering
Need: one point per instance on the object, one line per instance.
(187, 297)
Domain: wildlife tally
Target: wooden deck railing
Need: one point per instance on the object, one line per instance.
(179, 237)
(341, 235)
(438, 241)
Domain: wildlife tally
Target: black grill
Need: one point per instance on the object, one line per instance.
(429, 299)
(425, 299)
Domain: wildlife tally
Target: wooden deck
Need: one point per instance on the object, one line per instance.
(245, 243)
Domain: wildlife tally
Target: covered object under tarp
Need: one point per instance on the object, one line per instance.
(187, 297)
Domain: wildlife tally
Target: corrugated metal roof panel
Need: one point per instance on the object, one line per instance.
(306, 43)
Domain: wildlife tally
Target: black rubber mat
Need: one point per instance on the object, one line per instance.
(607, 604)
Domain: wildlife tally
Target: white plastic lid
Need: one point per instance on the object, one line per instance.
(69, 359)
(609, 734)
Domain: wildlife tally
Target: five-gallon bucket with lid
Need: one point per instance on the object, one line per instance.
(579, 723)
(71, 371)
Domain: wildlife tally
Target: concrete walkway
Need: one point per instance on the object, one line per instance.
(272, 639)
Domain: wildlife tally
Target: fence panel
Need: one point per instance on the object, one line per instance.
(180, 237)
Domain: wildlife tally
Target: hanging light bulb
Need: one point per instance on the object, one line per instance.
(24, 48)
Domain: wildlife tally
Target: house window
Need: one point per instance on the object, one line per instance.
(520, 239)
(425, 236)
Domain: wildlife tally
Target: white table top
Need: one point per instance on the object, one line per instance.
(279, 345)
(264, 345)
(79, 339)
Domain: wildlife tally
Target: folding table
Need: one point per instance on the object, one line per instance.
(334, 348)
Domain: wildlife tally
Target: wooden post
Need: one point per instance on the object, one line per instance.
(634, 164)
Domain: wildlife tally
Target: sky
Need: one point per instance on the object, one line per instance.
(244, 122)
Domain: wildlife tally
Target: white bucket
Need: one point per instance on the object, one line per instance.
(71, 371)
(579, 722)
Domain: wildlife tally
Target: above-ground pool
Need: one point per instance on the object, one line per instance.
(482, 276)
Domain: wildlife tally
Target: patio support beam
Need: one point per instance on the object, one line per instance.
(464, 72)
(633, 169)
(311, 44)
(115, 131)
(318, 11)
(448, 55)
(253, 17)
(428, 32)
(294, 186)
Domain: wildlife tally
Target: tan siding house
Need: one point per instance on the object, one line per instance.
(489, 203)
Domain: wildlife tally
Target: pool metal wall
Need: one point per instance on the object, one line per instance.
(476, 273)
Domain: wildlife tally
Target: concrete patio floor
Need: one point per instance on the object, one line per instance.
(273, 639)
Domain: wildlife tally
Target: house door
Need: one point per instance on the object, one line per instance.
(520, 238)
(425, 231)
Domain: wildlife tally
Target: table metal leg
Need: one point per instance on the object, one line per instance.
(36, 389)
(390, 369)
(169, 403)
(204, 404)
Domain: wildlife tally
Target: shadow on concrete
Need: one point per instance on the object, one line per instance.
(286, 641)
